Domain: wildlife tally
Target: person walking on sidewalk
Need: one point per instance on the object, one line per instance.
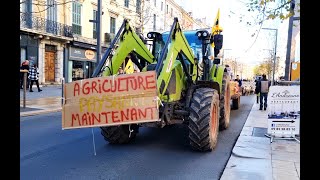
(34, 77)
(256, 91)
(263, 88)
(24, 66)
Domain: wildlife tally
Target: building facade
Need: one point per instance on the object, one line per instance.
(43, 37)
(57, 35)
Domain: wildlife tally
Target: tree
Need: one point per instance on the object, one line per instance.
(272, 9)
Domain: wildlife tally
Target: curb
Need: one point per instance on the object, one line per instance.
(44, 111)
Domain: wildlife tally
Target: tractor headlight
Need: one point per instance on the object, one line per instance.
(149, 35)
(204, 34)
(199, 34)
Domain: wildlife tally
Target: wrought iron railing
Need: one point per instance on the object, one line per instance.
(44, 25)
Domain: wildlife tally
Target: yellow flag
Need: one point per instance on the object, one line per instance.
(216, 26)
(129, 67)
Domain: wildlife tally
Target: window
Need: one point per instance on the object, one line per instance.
(126, 3)
(167, 10)
(76, 18)
(112, 25)
(138, 6)
(155, 3)
(171, 13)
(94, 33)
(51, 26)
(161, 6)
(23, 54)
(154, 22)
(25, 6)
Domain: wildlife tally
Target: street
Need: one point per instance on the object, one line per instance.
(48, 152)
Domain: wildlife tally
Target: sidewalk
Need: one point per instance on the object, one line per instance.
(48, 100)
(255, 158)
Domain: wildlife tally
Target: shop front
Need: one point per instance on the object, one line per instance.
(29, 46)
(81, 63)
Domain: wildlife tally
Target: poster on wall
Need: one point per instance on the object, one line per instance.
(284, 111)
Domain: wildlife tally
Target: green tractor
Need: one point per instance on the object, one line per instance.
(192, 86)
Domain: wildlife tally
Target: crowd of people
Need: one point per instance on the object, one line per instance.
(32, 76)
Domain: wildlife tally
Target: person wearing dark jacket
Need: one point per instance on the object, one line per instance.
(24, 66)
(256, 91)
(263, 88)
(34, 77)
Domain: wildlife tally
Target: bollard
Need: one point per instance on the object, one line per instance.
(24, 86)
(62, 95)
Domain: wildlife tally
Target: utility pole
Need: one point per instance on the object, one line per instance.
(99, 31)
(97, 21)
(288, 60)
(288, 55)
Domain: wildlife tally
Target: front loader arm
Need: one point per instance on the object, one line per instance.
(129, 42)
(175, 47)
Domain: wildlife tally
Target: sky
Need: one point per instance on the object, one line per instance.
(237, 35)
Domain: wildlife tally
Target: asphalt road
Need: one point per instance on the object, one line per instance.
(48, 152)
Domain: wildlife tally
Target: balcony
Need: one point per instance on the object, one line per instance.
(41, 25)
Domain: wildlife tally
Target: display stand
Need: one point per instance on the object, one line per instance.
(284, 111)
(272, 137)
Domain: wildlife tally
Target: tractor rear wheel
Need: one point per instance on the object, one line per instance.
(204, 119)
(119, 134)
(236, 103)
(225, 99)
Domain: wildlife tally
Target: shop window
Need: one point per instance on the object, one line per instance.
(77, 70)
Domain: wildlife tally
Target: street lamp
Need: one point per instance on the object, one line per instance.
(97, 21)
(275, 53)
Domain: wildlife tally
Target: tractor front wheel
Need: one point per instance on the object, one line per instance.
(204, 119)
(119, 134)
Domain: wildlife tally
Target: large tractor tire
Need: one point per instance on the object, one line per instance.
(119, 134)
(204, 119)
(224, 105)
(236, 103)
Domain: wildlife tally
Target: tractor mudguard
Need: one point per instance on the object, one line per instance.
(216, 74)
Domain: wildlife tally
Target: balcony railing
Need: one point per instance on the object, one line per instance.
(44, 25)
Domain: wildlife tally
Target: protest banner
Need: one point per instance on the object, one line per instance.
(110, 101)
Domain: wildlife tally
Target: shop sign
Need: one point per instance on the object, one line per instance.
(284, 111)
(79, 54)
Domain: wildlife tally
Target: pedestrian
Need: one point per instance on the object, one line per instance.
(257, 91)
(263, 87)
(121, 71)
(239, 83)
(24, 66)
(229, 71)
(34, 77)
